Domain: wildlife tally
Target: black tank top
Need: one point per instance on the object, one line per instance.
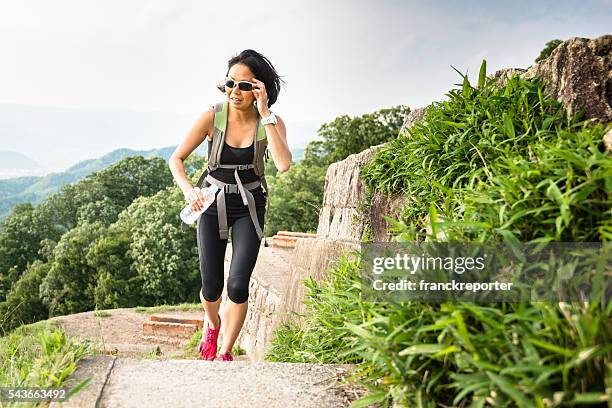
(235, 155)
(233, 202)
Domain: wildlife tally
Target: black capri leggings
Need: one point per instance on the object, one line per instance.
(211, 250)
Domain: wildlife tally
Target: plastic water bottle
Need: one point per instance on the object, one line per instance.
(188, 215)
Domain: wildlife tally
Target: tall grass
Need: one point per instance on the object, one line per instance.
(322, 332)
(465, 142)
(38, 355)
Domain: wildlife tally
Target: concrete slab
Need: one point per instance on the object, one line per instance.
(176, 383)
(98, 367)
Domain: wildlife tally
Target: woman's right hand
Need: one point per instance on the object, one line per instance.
(195, 198)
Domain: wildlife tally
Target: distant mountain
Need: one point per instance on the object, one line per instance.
(15, 164)
(15, 160)
(36, 189)
(55, 136)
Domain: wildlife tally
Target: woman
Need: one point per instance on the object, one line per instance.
(251, 88)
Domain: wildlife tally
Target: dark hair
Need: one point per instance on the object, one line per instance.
(261, 68)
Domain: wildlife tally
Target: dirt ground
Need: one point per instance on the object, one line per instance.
(120, 332)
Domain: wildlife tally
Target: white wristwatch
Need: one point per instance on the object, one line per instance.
(269, 119)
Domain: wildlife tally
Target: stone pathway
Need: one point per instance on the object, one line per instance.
(127, 382)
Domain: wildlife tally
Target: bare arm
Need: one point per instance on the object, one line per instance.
(192, 140)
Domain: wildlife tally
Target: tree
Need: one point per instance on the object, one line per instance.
(296, 199)
(118, 285)
(548, 49)
(165, 257)
(101, 196)
(20, 240)
(345, 135)
(69, 285)
(23, 304)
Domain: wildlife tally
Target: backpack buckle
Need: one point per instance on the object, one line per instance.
(243, 166)
(231, 188)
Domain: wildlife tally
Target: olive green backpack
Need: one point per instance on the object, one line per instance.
(258, 165)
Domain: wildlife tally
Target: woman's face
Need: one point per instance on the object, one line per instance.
(236, 97)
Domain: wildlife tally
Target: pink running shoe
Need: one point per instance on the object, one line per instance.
(208, 345)
(226, 357)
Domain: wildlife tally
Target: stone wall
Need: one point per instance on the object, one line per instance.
(339, 218)
(261, 320)
(311, 257)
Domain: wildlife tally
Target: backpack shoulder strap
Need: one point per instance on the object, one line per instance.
(214, 147)
(261, 131)
(214, 158)
(221, 116)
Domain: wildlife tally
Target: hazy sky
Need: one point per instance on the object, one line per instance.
(337, 56)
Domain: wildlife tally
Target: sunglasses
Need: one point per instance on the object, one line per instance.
(242, 85)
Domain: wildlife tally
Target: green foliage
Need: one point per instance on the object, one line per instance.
(23, 304)
(345, 135)
(183, 307)
(69, 286)
(164, 257)
(562, 192)
(19, 244)
(411, 352)
(488, 163)
(39, 356)
(99, 197)
(323, 334)
(495, 162)
(86, 263)
(106, 193)
(117, 284)
(464, 142)
(548, 49)
(296, 199)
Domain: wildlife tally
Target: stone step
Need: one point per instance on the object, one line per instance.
(283, 242)
(169, 329)
(296, 234)
(127, 348)
(198, 322)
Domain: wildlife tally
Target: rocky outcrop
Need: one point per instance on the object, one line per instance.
(501, 76)
(413, 117)
(339, 218)
(608, 140)
(579, 74)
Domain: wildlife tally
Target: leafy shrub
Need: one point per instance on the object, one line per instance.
(329, 305)
(39, 356)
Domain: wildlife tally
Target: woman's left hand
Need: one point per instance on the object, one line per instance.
(259, 91)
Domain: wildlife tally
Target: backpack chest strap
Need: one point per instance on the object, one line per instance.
(237, 166)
